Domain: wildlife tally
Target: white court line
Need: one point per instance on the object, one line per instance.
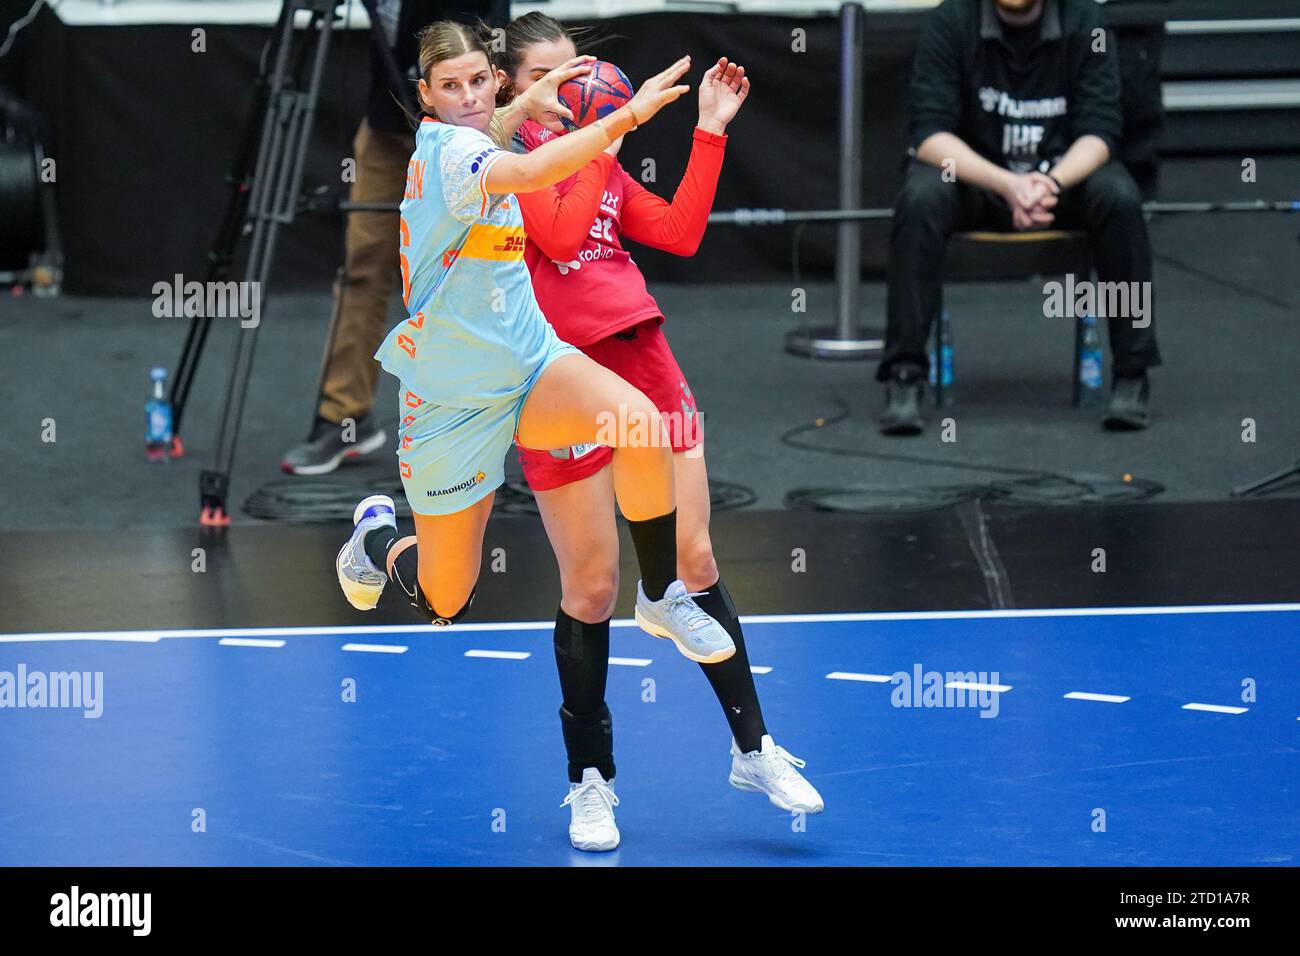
(1101, 698)
(377, 648)
(125, 637)
(500, 655)
(1016, 612)
(1216, 708)
(631, 661)
(870, 678)
(150, 636)
(248, 642)
(977, 685)
(759, 669)
(296, 631)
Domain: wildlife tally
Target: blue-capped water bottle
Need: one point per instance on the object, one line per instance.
(158, 418)
(1091, 365)
(941, 352)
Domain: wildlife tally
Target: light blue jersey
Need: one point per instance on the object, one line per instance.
(474, 334)
(474, 341)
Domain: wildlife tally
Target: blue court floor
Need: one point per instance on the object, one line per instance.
(451, 753)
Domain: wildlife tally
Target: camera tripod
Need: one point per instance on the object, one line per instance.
(265, 194)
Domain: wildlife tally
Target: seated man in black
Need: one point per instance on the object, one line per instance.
(1014, 117)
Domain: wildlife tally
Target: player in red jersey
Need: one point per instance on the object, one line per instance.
(596, 298)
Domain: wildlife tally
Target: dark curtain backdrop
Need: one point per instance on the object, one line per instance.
(145, 132)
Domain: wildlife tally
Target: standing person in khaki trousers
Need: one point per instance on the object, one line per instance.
(344, 428)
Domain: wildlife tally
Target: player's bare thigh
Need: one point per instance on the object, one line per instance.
(572, 402)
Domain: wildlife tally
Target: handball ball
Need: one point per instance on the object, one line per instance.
(595, 95)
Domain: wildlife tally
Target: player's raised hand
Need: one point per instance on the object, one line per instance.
(660, 90)
(722, 92)
(541, 102)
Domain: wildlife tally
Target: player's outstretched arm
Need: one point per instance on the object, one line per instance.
(565, 155)
(678, 227)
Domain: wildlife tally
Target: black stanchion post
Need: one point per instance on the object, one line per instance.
(845, 340)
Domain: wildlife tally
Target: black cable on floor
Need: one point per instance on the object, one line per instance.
(1023, 486)
(305, 500)
(1222, 282)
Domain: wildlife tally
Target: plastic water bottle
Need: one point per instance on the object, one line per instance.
(1090, 357)
(941, 353)
(158, 418)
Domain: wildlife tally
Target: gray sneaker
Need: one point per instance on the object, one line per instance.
(325, 448)
(361, 581)
(1128, 404)
(902, 415)
(678, 618)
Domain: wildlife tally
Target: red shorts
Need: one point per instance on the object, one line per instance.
(643, 359)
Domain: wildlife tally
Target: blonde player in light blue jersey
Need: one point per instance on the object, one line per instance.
(480, 367)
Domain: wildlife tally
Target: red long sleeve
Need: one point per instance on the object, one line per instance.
(676, 227)
(559, 223)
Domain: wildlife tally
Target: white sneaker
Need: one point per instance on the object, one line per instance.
(769, 770)
(592, 803)
(361, 581)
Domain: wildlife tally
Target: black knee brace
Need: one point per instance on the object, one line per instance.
(438, 619)
(405, 569)
(421, 604)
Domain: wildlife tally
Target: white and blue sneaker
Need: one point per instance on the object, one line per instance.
(361, 581)
(771, 770)
(591, 819)
(678, 618)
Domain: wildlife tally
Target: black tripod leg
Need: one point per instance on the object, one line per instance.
(51, 256)
(1262, 486)
(222, 252)
(273, 201)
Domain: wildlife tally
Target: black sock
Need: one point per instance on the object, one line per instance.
(732, 679)
(377, 543)
(582, 659)
(655, 540)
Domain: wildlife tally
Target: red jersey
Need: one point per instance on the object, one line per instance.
(585, 281)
